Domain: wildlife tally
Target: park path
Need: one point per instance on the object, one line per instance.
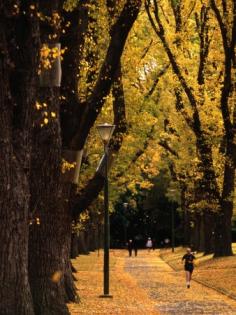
(167, 288)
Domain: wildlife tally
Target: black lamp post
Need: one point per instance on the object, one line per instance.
(125, 206)
(172, 228)
(105, 132)
(172, 191)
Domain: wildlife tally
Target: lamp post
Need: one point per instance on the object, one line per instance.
(172, 191)
(172, 228)
(125, 206)
(105, 132)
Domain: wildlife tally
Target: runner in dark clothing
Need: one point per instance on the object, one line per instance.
(188, 259)
(130, 247)
(135, 246)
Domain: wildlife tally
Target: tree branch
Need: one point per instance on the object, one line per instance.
(222, 26)
(96, 183)
(139, 152)
(90, 192)
(203, 31)
(167, 147)
(227, 71)
(161, 34)
(159, 75)
(95, 102)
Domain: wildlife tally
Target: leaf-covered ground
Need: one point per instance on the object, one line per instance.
(128, 297)
(218, 273)
(147, 285)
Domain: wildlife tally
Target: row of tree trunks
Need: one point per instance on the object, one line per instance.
(86, 241)
(201, 232)
(218, 201)
(74, 252)
(199, 225)
(83, 242)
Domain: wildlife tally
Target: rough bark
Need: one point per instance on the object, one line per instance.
(74, 39)
(74, 245)
(209, 231)
(186, 223)
(49, 266)
(49, 242)
(18, 63)
(197, 231)
(201, 246)
(83, 248)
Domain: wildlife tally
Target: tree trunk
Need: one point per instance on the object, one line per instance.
(46, 252)
(185, 223)
(201, 246)
(92, 240)
(74, 245)
(209, 228)
(82, 244)
(192, 233)
(195, 241)
(18, 63)
(223, 236)
(187, 228)
(15, 293)
(49, 268)
(50, 234)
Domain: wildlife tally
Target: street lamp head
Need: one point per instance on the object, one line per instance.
(172, 192)
(125, 205)
(105, 132)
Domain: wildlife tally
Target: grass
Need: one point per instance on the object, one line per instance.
(218, 273)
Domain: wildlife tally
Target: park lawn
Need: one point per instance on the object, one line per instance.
(218, 273)
(128, 298)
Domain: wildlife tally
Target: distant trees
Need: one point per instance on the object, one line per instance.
(175, 84)
(189, 35)
(32, 190)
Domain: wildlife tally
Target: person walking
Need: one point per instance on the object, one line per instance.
(188, 259)
(149, 244)
(135, 246)
(130, 247)
(153, 244)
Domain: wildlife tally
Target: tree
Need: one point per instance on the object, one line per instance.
(19, 42)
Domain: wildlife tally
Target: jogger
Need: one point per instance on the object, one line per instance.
(188, 265)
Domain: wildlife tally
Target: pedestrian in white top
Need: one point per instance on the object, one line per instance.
(149, 244)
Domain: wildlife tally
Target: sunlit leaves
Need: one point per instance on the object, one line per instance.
(69, 5)
(44, 115)
(67, 166)
(48, 55)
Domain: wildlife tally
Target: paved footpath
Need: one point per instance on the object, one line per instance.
(167, 288)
